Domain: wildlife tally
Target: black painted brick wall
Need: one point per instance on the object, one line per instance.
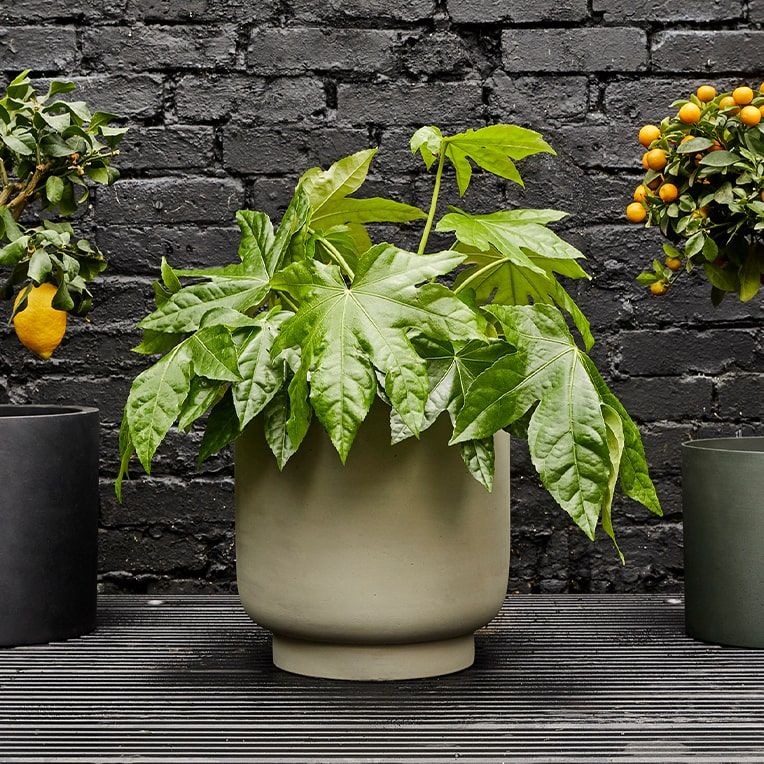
(229, 100)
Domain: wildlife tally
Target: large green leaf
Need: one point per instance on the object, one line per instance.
(513, 260)
(345, 332)
(261, 375)
(566, 433)
(491, 148)
(158, 394)
(372, 210)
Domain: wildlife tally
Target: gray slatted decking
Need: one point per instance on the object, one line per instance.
(558, 678)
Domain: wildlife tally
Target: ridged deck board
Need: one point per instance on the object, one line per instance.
(558, 678)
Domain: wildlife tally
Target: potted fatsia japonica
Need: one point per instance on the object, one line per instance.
(704, 189)
(318, 340)
(50, 151)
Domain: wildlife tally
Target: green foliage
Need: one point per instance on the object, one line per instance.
(716, 223)
(50, 151)
(316, 319)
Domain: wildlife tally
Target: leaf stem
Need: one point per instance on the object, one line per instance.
(288, 301)
(337, 257)
(433, 202)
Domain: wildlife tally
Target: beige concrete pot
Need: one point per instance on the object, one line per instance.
(381, 569)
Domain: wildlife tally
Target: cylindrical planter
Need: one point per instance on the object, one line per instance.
(723, 498)
(48, 523)
(382, 569)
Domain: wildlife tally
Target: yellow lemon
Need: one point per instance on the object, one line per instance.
(40, 327)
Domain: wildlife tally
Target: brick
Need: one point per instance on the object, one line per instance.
(666, 398)
(648, 99)
(139, 249)
(217, 98)
(138, 96)
(149, 501)
(199, 11)
(440, 53)
(69, 11)
(756, 11)
(340, 11)
(675, 351)
(298, 51)
(518, 11)
(171, 200)
(604, 49)
(443, 103)
(740, 397)
(106, 394)
(616, 11)
(537, 101)
(597, 145)
(250, 150)
(716, 51)
(159, 47)
(172, 148)
(38, 48)
(138, 551)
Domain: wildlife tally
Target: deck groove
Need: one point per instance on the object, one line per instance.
(557, 678)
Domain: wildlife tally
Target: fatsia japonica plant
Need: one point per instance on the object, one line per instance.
(316, 320)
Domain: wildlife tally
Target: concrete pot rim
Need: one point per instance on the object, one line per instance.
(35, 411)
(752, 444)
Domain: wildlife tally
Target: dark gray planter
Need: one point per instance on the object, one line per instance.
(723, 498)
(48, 523)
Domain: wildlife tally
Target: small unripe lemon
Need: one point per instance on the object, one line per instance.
(656, 159)
(689, 113)
(750, 115)
(648, 134)
(668, 192)
(706, 93)
(659, 288)
(636, 212)
(742, 95)
(673, 263)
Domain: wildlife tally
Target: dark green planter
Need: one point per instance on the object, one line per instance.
(48, 523)
(723, 498)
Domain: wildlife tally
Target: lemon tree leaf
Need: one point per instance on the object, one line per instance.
(346, 332)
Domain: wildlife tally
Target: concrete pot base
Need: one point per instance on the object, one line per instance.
(373, 662)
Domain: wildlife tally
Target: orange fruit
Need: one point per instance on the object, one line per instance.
(673, 263)
(728, 102)
(761, 109)
(648, 134)
(656, 159)
(706, 93)
(640, 193)
(689, 113)
(761, 88)
(742, 95)
(750, 115)
(636, 212)
(686, 138)
(716, 146)
(668, 192)
(644, 161)
(701, 212)
(659, 288)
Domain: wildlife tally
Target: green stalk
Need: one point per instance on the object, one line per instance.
(433, 202)
(337, 257)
